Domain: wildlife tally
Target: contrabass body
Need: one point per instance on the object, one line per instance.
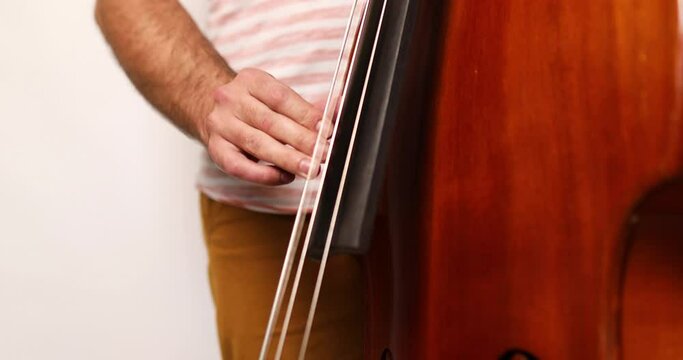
(533, 201)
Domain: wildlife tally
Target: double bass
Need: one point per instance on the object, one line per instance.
(513, 179)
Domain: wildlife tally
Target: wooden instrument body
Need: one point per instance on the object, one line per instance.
(534, 194)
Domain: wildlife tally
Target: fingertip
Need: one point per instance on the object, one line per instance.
(286, 177)
(273, 176)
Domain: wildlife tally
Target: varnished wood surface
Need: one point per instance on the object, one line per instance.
(546, 124)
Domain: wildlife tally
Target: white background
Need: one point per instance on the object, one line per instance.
(101, 255)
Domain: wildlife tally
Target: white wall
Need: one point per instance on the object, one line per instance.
(101, 255)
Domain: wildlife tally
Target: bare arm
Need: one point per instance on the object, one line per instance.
(166, 57)
(238, 117)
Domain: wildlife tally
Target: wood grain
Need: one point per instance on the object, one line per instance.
(532, 129)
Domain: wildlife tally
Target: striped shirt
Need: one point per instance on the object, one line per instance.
(296, 41)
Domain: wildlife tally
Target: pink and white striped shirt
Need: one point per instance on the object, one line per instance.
(296, 41)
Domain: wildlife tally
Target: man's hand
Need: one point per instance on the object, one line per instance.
(239, 118)
(256, 117)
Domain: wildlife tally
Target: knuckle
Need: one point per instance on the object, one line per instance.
(247, 73)
(220, 124)
(218, 94)
(250, 142)
(222, 94)
(277, 94)
(212, 121)
(266, 123)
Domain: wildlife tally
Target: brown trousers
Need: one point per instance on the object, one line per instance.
(246, 251)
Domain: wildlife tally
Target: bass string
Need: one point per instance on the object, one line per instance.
(301, 213)
(350, 64)
(328, 241)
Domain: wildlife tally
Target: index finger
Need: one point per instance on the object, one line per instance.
(283, 100)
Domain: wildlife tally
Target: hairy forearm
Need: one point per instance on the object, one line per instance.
(167, 58)
(240, 118)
